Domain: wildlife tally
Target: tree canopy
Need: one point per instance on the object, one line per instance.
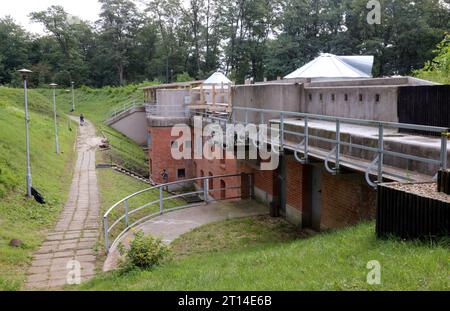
(170, 40)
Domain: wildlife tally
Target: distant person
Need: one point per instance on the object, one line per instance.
(81, 119)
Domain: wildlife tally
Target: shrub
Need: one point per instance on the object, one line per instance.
(145, 251)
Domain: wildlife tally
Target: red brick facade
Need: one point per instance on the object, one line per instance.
(160, 157)
(346, 200)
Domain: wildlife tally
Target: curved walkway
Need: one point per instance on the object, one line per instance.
(73, 239)
(171, 225)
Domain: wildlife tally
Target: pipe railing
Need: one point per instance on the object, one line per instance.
(202, 189)
(125, 106)
(335, 154)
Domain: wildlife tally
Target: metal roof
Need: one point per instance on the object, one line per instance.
(332, 66)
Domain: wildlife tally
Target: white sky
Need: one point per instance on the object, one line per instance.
(19, 10)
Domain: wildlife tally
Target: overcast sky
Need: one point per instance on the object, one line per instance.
(19, 10)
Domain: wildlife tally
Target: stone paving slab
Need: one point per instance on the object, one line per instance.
(70, 246)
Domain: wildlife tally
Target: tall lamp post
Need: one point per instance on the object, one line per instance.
(67, 92)
(73, 96)
(25, 73)
(53, 86)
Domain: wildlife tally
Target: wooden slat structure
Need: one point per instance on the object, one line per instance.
(211, 98)
(150, 91)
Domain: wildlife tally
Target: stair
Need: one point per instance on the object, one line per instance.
(133, 174)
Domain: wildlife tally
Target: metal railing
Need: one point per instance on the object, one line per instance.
(167, 110)
(202, 187)
(125, 106)
(335, 154)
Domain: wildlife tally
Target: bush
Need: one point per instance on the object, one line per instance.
(145, 251)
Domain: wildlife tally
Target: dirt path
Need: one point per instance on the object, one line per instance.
(68, 251)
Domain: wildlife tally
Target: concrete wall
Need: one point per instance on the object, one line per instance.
(132, 124)
(278, 97)
(346, 102)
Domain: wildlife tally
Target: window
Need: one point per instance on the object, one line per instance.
(174, 144)
(333, 97)
(360, 97)
(149, 140)
(187, 144)
(377, 98)
(310, 96)
(346, 97)
(181, 173)
(321, 97)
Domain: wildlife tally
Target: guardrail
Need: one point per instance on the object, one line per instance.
(334, 154)
(202, 187)
(125, 106)
(167, 110)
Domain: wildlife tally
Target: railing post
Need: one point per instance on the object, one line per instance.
(105, 227)
(126, 213)
(281, 131)
(246, 117)
(205, 189)
(444, 150)
(338, 144)
(380, 152)
(306, 139)
(161, 202)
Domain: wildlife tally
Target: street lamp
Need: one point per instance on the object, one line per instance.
(70, 129)
(25, 73)
(53, 86)
(73, 96)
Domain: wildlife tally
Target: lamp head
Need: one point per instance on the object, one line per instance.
(24, 73)
(53, 85)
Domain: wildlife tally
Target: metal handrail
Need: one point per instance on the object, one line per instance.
(125, 202)
(126, 106)
(337, 143)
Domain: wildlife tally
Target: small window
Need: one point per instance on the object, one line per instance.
(377, 98)
(187, 144)
(181, 173)
(174, 144)
(360, 97)
(333, 97)
(310, 96)
(321, 96)
(346, 97)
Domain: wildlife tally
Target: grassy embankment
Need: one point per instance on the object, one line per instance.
(22, 218)
(261, 253)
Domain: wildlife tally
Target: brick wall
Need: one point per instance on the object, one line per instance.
(160, 156)
(297, 182)
(346, 200)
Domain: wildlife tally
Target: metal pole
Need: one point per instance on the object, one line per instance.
(161, 205)
(126, 213)
(306, 139)
(27, 140)
(338, 144)
(380, 152)
(73, 96)
(105, 227)
(54, 118)
(281, 131)
(205, 189)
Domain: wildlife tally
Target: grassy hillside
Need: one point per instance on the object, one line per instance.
(21, 218)
(255, 254)
(97, 105)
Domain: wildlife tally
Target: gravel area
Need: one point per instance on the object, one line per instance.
(428, 190)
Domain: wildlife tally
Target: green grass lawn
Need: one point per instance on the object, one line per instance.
(260, 253)
(97, 105)
(22, 218)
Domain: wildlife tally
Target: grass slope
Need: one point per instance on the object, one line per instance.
(97, 105)
(254, 254)
(21, 218)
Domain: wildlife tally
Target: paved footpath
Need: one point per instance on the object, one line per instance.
(76, 232)
(170, 226)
